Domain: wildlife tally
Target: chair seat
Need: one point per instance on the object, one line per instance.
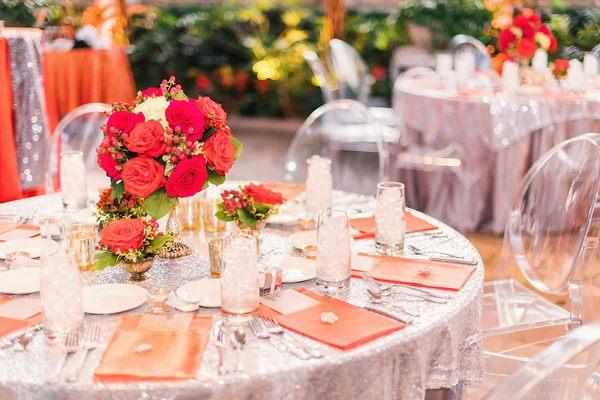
(509, 306)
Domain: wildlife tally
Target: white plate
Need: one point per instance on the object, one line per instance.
(298, 269)
(20, 281)
(112, 298)
(34, 246)
(290, 213)
(302, 239)
(206, 292)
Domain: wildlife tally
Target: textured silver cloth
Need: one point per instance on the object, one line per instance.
(31, 125)
(496, 137)
(431, 353)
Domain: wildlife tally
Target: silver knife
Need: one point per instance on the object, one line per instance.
(384, 313)
(451, 260)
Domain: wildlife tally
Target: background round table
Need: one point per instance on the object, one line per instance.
(431, 353)
(496, 136)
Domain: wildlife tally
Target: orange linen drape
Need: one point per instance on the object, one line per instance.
(10, 187)
(83, 76)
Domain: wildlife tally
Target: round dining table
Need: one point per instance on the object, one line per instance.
(435, 351)
(488, 139)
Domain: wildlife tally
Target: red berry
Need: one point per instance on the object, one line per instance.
(173, 159)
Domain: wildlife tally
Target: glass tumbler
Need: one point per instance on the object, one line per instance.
(212, 225)
(73, 182)
(390, 218)
(215, 250)
(189, 212)
(81, 244)
(319, 184)
(239, 278)
(333, 251)
(61, 294)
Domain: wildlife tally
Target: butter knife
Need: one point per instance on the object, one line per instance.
(450, 260)
(384, 313)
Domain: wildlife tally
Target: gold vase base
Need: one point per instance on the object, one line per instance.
(137, 270)
(175, 249)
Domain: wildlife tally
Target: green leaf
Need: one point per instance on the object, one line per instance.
(238, 147)
(180, 96)
(158, 242)
(158, 204)
(246, 219)
(215, 178)
(117, 189)
(105, 259)
(222, 216)
(262, 208)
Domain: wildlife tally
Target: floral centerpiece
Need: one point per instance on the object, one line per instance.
(248, 206)
(521, 39)
(560, 68)
(131, 241)
(161, 147)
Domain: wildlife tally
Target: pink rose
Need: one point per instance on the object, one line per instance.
(184, 114)
(151, 92)
(109, 165)
(147, 139)
(142, 176)
(187, 178)
(123, 121)
(216, 116)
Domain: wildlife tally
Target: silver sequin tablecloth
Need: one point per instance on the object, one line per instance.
(431, 353)
(497, 137)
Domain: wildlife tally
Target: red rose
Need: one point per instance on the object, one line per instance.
(123, 235)
(214, 112)
(146, 139)
(184, 114)
(152, 92)
(553, 44)
(535, 19)
(123, 121)
(544, 29)
(109, 165)
(528, 31)
(521, 21)
(561, 66)
(506, 39)
(262, 194)
(187, 178)
(142, 176)
(219, 151)
(526, 48)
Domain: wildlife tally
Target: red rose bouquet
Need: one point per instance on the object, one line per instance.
(129, 240)
(560, 68)
(524, 36)
(164, 146)
(248, 205)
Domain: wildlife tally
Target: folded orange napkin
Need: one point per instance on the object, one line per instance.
(12, 230)
(10, 325)
(288, 190)
(354, 327)
(174, 355)
(367, 228)
(433, 274)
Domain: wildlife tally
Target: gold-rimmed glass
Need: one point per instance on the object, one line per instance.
(81, 244)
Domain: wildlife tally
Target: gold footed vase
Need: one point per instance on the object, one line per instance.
(137, 270)
(176, 248)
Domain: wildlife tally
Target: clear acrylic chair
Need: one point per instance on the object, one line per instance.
(350, 71)
(328, 87)
(345, 132)
(461, 43)
(569, 369)
(79, 130)
(550, 250)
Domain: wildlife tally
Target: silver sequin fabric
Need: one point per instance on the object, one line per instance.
(31, 125)
(431, 353)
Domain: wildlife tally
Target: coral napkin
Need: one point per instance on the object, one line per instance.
(367, 227)
(288, 190)
(12, 230)
(439, 275)
(175, 354)
(354, 327)
(10, 325)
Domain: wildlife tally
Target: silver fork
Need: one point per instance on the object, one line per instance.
(274, 327)
(71, 346)
(90, 341)
(260, 330)
(391, 286)
(412, 296)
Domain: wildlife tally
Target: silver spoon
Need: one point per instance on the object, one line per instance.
(377, 298)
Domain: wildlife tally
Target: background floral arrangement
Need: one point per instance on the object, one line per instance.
(129, 240)
(165, 146)
(249, 205)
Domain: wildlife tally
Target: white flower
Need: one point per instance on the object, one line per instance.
(543, 40)
(154, 108)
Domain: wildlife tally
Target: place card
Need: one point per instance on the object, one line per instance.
(288, 301)
(362, 263)
(21, 308)
(167, 322)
